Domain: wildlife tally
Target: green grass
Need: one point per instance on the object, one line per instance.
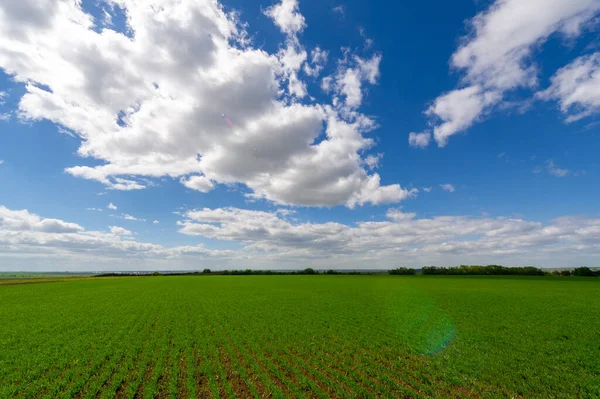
(301, 336)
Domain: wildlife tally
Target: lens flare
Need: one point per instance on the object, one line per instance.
(227, 120)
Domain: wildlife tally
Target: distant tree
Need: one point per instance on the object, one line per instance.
(583, 272)
(206, 271)
(483, 270)
(156, 274)
(331, 271)
(565, 273)
(309, 270)
(402, 271)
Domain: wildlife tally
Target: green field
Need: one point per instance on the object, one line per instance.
(301, 336)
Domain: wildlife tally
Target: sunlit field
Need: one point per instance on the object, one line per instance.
(301, 336)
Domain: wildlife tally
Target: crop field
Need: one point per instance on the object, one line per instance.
(301, 336)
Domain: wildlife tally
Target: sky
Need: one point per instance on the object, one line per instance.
(230, 134)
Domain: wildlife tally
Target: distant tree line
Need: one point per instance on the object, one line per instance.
(308, 271)
(491, 270)
(495, 270)
(403, 271)
(247, 272)
(579, 272)
(463, 270)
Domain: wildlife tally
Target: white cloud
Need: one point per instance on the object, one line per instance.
(373, 161)
(119, 231)
(318, 59)
(459, 109)
(339, 10)
(94, 209)
(112, 206)
(272, 240)
(369, 68)
(24, 221)
(1, 161)
(3, 96)
(269, 236)
(577, 87)
(156, 222)
(107, 18)
(30, 242)
(350, 86)
(148, 104)
(198, 183)
(287, 17)
(496, 56)
(349, 78)
(419, 140)
(555, 170)
(368, 42)
(427, 189)
(448, 187)
(326, 84)
(129, 217)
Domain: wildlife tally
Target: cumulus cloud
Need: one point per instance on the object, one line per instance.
(275, 240)
(147, 103)
(496, 57)
(348, 81)
(577, 88)
(419, 140)
(287, 17)
(120, 231)
(448, 187)
(156, 222)
(198, 183)
(111, 206)
(3, 96)
(269, 235)
(459, 109)
(26, 237)
(24, 221)
(427, 189)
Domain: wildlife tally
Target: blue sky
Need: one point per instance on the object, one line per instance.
(362, 135)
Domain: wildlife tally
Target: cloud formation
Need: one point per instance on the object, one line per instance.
(30, 241)
(419, 140)
(148, 102)
(496, 58)
(133, 218)
(448, 187)
(577, 88)
(120, 231)
(276, 239)
(403, 236)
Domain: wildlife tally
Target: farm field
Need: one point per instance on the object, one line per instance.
(301, 336)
